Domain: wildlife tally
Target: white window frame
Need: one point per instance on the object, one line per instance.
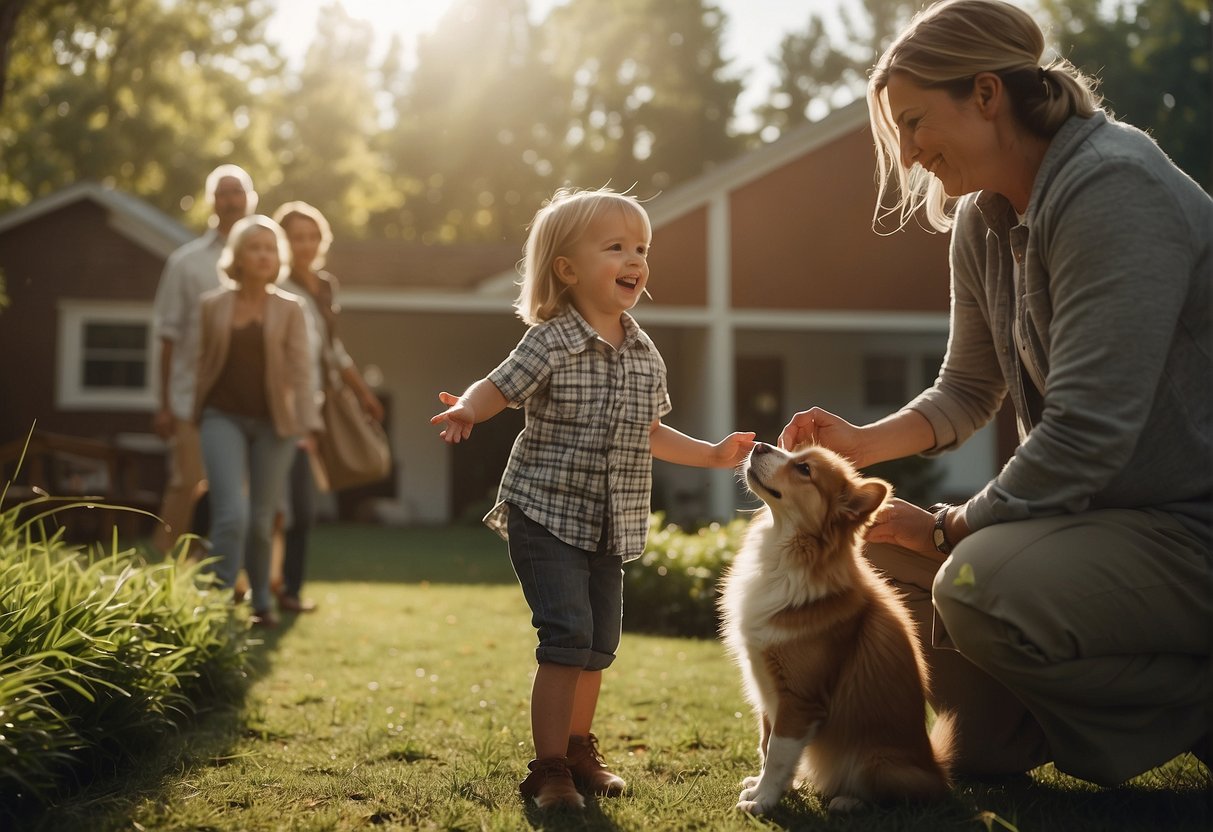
(70, 390)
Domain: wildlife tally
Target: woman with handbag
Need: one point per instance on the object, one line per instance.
(309, 236)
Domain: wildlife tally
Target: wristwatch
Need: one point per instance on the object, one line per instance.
(938, 535)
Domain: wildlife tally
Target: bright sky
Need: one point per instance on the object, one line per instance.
(752, 37)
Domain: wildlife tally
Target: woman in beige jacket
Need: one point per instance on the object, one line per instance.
(254, 401)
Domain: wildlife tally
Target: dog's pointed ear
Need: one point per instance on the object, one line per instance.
(863, 499)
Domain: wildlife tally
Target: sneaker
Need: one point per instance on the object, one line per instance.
(550, 785)
(589, 769)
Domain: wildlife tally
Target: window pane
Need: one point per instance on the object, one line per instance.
(758, 400)
(115, 355)
(115, 336)
(109, 374)
(930, 369)
(884, 380)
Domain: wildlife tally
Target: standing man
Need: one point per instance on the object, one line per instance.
(190, 271)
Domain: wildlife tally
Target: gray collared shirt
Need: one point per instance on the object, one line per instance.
(583, 459)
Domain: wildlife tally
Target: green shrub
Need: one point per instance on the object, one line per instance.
(99, 653)
(672, 588)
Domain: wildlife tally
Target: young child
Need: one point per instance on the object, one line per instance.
(574, 499)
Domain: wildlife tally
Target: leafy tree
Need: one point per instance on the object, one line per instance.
(325, 126)
(141, 94)
(10, 10)
(651, 99)
(473, 149)
(1153, 59)
(819, 70)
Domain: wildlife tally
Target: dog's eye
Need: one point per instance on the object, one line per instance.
(802, 468)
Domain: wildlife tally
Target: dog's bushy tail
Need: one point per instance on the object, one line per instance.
(943, 741)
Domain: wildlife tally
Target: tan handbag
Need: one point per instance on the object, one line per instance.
(353, 447)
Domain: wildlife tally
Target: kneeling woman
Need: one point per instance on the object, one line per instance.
(253, 401)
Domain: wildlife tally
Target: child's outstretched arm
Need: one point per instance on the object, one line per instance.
(479, 403)
(674, 446)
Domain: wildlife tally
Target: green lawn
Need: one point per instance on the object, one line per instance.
(402, 704)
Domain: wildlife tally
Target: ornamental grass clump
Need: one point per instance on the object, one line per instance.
(672, 588)
(99, 653)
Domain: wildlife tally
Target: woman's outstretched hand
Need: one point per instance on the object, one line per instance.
(820, 427)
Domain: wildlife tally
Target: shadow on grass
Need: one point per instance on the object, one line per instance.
(104, 797)
(113, 794)
(1051, 800)
(590, 818)
(435, 554)
(1045, 802)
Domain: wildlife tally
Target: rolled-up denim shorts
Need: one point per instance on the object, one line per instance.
(576, 596)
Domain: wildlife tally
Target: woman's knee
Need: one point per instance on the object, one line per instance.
(1000, 590)
(974, 596)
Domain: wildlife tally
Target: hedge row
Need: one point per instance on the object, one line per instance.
(672, 588)
(99, 653)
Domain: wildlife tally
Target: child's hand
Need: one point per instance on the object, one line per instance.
(458, 418)
(733, 449)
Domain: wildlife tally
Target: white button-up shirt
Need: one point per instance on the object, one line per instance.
(190, 272)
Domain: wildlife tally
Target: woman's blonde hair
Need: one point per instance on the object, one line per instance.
(944, 47)
(229, 270)
(555, 230)
(299, 210)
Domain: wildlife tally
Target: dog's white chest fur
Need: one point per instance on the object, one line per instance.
(765, 579)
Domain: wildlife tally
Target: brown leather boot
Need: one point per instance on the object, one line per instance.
(550, 785)
(589, 769)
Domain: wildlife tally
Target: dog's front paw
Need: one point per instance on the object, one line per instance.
(754, 807)
(750, 782)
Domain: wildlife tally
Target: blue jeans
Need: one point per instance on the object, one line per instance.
(576, 597)
(246, 467)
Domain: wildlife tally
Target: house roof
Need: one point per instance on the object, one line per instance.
(392, 264)
(129, 215)
(489, 270)
(748, 167)
(734, 174)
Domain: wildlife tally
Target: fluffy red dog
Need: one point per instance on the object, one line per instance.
(827, 651)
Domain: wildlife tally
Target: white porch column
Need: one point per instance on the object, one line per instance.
(718, 368)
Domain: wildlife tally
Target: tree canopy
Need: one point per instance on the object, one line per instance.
(1153, 61)
(495, 112)
(145, 95)
(1151, 56)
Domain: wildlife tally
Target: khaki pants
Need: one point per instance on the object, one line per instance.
(185, 485)
(1084, 639)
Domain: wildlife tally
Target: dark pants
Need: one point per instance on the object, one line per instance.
(301, 496)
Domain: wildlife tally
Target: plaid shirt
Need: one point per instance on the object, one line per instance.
(584, 455)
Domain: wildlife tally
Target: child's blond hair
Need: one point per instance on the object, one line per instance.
(557, 227)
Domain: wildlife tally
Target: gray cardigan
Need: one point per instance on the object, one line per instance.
(1114, 307)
